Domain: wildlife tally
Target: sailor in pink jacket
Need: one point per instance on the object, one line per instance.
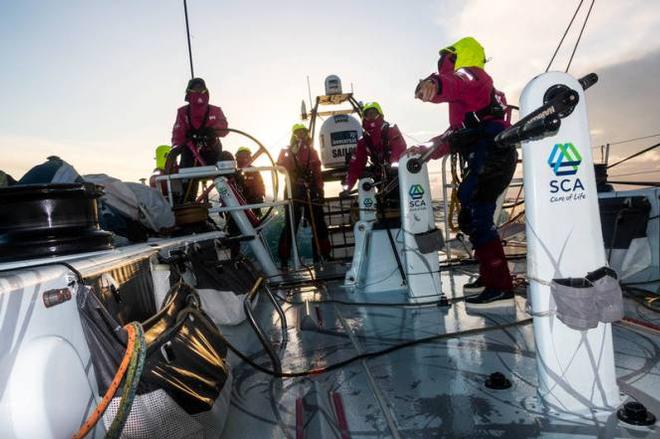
(199, 126)
(477, 113)
(304, 168)
(381, 142)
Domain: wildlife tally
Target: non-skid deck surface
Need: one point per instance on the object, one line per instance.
(430, 390)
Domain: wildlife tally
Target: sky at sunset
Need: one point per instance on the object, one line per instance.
(98, 82)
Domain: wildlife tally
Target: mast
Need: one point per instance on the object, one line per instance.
(185, 11)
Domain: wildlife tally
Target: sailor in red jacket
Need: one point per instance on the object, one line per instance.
(252, 186)
(477, 113)
(197, 131)
(198, 126)
(381, 142)
(304, 167)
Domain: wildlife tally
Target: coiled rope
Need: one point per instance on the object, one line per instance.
(130, 368)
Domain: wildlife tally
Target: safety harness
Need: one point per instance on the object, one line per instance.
(202, 135)
(300, 172)
(380, 159)
(495, 110)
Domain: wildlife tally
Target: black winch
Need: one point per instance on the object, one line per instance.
(50, 220)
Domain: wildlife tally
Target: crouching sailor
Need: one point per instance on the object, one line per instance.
(477, 113)
(162, 152)
(252, 187)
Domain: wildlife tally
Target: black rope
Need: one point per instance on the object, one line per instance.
(74, 270)
(564, 36)
(429, 304)
(580, 35)
(370, 355)
(185, 10)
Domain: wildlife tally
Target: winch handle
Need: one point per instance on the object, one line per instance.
(415, 165)
(547, 115)
(588, 80)
(533, 129)
(546, 119)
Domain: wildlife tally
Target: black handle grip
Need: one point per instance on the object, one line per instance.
(415, 164)
(588, 80)
(530, 130)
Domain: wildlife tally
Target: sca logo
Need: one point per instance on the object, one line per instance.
(416, 193)
(368, 202)
(565, 160)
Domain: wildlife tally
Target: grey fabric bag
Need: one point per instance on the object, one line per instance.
(576, 303)
(609, 298)
(583, 302)
(431, 241)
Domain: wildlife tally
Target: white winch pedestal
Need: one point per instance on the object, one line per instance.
(422, 270)
(367, 199)
(564, 239)
(240, 218)
(374, 268)
(362, 233)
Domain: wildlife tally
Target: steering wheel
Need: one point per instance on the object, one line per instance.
(262, 150)
(170, 166)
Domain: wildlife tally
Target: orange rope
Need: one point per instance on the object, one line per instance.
(454, 203)
(94, 418)
(515, 203)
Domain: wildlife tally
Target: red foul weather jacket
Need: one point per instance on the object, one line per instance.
(208, 116)
(468, 91)
(304, 167)
(254, 189)
(383, 143)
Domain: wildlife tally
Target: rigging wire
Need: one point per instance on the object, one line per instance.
(636, 183)
(419, 142)
(645, 150)
(564, 36)
(636, 173)
(185, 11)
(650, 136)
(580, 35)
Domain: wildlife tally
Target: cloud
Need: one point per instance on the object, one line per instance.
(108, 109)
(625, 104)
(520, 37)
(621, 43)
(89, 158)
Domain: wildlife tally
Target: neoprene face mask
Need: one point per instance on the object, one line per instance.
(198, 98)
(446, 61)
(371, 114)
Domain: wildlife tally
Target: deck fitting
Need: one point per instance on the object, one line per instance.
(444, 301)
(635, 413)
(497, 381)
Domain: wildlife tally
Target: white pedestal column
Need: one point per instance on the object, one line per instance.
(575, 368)
(422, 270)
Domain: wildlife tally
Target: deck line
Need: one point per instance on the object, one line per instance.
(384, 407)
